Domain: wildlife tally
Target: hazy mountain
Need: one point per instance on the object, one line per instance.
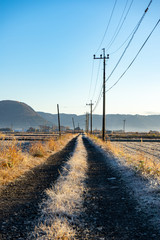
(19, 115)
(113, 121)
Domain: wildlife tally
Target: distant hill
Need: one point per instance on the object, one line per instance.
(134, 123)
(19, 115)
(65, 119)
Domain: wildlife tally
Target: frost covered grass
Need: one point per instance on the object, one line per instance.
(63, 206)
(137, 159)
(14, 162)
(144, 187)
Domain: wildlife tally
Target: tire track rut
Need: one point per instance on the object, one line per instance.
(19, 201)
(111, 211)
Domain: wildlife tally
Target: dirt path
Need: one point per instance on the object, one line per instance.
(19, 201)
(111, 212)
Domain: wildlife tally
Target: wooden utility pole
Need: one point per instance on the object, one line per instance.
(90, 104)
(73, 124)
(87, 122)
(104, 90)
(59, 126)
(124, 125)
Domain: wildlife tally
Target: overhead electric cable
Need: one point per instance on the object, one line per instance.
(99, 98)
(134, 32)
(138, 25)
(96, 79)
(134, 57)
(118, 30)
(107, 25)
(91, 79)
(123, 42)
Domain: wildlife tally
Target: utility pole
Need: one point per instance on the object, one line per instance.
(90, 104)
(87, 122)
(59, 126)
(104, 90)
(124, 125)
(73, 124)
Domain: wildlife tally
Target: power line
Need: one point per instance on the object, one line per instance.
(107, 25)
(133, 34)
(134, 57)
(91, 79)
(121, 24)
(99, 98)
(123, 42)
(118, 30)
(96, 79)
(138, 25)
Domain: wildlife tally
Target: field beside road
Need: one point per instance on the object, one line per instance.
(18, 157)
(150, 150)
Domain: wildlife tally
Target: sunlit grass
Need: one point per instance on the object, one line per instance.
(37, 149)
(14, 162)
(138, 161)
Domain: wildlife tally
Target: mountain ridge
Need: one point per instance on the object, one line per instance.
(15, 114)
(113, 121)
(19, 115)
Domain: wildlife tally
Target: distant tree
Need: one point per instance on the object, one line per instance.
(31, 129)
(5, 130)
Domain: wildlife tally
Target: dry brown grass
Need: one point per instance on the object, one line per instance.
(2, 135)
(62, 232)
(139, 161)
(38, 149)
(14, 162)
(10, 154)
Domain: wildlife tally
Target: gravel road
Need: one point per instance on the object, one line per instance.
(110, 212)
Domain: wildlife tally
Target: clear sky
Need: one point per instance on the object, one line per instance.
(47, 47)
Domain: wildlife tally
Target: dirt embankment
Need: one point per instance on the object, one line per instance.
(19, 200)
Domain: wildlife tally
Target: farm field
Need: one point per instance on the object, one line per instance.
(28, 136)
(18, 156)
(148, 149)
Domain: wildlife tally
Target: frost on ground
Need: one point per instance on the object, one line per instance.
(149, 149)
(61, 210)
(145, 189)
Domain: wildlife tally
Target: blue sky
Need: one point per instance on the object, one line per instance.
(47, 47)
